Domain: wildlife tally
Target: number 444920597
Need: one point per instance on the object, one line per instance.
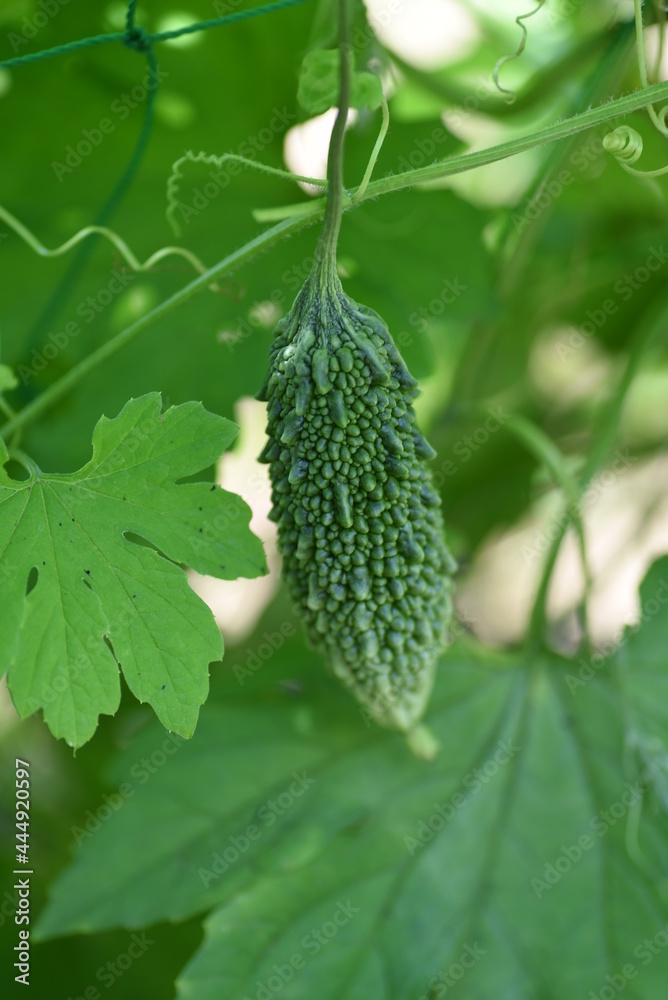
(22, 810)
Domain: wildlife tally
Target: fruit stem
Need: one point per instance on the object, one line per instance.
(422, 742)
(325, 255)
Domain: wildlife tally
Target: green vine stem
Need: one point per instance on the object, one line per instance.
(325, 252)
(286, 211)
(545, 450)
(564, 129)
(605, 432)
(375, 151)
(397, 182)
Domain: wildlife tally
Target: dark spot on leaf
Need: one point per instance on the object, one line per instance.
(163, 687)
(31, 582)
(87, 572)
(201, 530)
(212, 489)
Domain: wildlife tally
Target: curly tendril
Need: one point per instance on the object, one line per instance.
(268, 214)
(624, 143)
(121, 246)
(626, 146)
(516, 54)
(210, 159)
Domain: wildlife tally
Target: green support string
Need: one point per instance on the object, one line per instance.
(138, 39)
(135, 37)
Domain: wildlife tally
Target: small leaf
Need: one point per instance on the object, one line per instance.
(319, 84)
(367, 91)
(8, 379)
(90, 574)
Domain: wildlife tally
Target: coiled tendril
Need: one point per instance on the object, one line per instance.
(625, 143)
(626, 146)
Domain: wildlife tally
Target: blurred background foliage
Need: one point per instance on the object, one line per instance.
(494, 283)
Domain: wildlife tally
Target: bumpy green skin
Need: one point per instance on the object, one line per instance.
(360, 525)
